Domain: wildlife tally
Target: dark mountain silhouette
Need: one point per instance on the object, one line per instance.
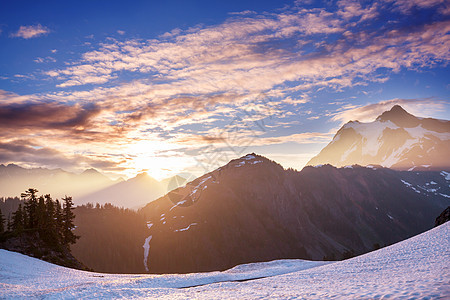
(396, 139)
(253, 210)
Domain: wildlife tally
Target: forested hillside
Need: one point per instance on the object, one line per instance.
(111, 238)
(40, 227)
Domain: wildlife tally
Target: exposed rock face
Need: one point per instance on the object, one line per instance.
(443, 217)
(396, 139)
(253, 210)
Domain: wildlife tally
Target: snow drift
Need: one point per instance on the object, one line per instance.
(415, 268)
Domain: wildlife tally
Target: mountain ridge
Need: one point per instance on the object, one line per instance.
(254, 210)
(15, 179)
(396, 139)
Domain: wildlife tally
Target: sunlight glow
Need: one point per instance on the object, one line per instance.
(156, 159)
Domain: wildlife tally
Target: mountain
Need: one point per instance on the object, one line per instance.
(253, 210)
(89, 186)
(396, 139)
(415, 268)
(57, 182)
(133, 193)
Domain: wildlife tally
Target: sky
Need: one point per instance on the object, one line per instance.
(166, 87)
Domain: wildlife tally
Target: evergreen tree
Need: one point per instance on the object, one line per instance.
(30, 212)
(50, 231)
(68, 226)
(18, 220)
(59, 221)
(9, 226)
(41, 215)
(2, 222)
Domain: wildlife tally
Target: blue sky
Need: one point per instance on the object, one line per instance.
(175, 86)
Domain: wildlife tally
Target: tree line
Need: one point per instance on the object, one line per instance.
(52, 219)
(111, 238)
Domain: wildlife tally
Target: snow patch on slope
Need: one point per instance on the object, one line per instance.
(146, 247)
(446, 175)
(416, 268)
(372, 134)
(186, 228)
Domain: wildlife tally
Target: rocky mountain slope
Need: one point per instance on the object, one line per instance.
(396, 139)
(253, 210)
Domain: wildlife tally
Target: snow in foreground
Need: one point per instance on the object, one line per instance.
(415, 268)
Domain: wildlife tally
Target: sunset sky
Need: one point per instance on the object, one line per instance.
(185, 86)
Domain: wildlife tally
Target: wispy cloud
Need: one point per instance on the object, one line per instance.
(243, 13)
(32, 31)
(406, 6)
(44, 59)
(203, 76)
(32, 154)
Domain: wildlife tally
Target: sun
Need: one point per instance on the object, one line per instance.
(156, 158)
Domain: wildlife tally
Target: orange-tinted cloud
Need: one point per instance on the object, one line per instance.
(28, 32)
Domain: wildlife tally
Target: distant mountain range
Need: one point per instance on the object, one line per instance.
(253, 210)
(57, 182)
(89, 186)
(396, 139)
(133, 193)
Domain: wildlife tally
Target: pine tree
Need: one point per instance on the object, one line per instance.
(59, 221)
(40, 215)
(2, 222)
(68, 225)
(30, 212)
(50, 230)
(9, 226)
(18, 220)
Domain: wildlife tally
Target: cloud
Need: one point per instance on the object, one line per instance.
(299, 138)
(31, 154)
(350, 9)
(369, 112)
(203, 77)
(406, 6)
(243, 54)
(243, 13)
(45, 115)
(44, 59)
(28, 32)
(121, 32)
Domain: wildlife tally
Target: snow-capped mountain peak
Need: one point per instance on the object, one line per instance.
(396, 139)
(400, 117)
